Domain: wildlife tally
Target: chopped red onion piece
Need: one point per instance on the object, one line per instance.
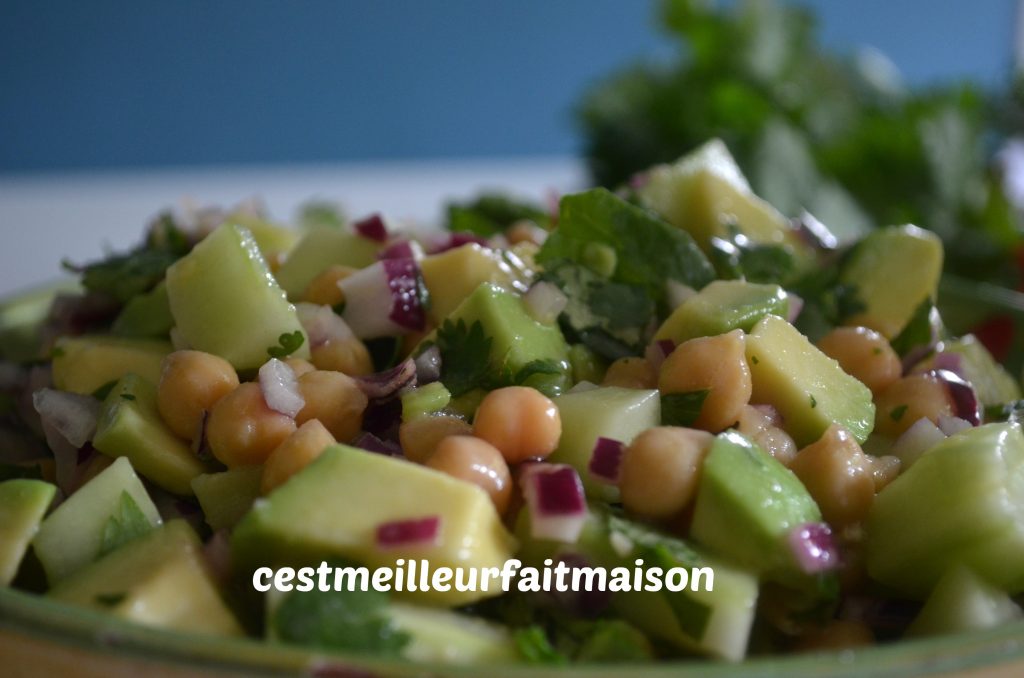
(606, 460)
(554, 495)
(402, 249)
(456, 240)
(813, 548)
(371, 443)
(384, 299)
(962, 395)
(946, 360)
(384, 384)
(772, 414)
(796, 304)
(428, 365)
(72, 415)
(922, 436)
(953, 425)
(414, 532)
(545, 302)
(372, 227)
(281, 388)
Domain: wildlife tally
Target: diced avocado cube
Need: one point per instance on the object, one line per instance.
(227, 496)
(453, 275)
(145, 315)
(716, 623)
(809, 389)
(334, 506)
(158, 580)
(516, 338)
(130, 426)
(706, 194)
(23, 504)
(440, 636)
(893, 270)
(271, 238)
(425, 400)
(963, 601)
(993, 384)
(73, 535)
(84, 364)
(961, 503)
(721, 307)
(747, 504)
(225, 301)
(320, 249)
(603, 412)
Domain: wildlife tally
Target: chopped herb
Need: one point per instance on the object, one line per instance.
(897, 412)
(682, 409)
(123, 276)
(127, 396)
(535, 648)
(754, 359)
(110, 599)
(492, 213)
(288, 343)
(921, 330)
(1012, 411)
(103, 391)
(354, 621)
(814, 402)
(465, 355)
(739, 257)
(128, 522)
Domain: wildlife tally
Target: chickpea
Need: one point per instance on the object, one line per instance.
(475, 461)
(908, 399)
(863, 354)
(349, 356)
(336, 400)
(631, 373)
(242, 430)
(520, 421)
(323, 290)
(297, 452)
(191, 382)
(838, 475)
(718, 364)
(299, 366)
(766, 434)
(420, 437)
(661, 470)
(839, 634)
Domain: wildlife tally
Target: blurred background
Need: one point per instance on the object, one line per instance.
(111, 110)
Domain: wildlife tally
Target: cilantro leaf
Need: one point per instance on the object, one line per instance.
(355, 621)
(288, 343)
(122, 276)
(921, 330)
(682, 409)
(535, 648)
(648, 250)
(739, 257)
(128, 522)
(465, 355)
(492, 213)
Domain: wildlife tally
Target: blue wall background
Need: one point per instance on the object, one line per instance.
(115, 83)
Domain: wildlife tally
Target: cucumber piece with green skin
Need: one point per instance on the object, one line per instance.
(130, 426)
(747, 504)
(603, 412)
(86, 363)
(893, 270)
(320, 249)
(961, 503)
(226, 302)
(72, 536)
(159, 579)
(424, 401)
(23, 504)
(716, 623)
(721, 307)
(146, 315)
(809, 389)
(963, 601)
(227, 496)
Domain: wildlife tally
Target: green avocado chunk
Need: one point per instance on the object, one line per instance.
(320, 249)
(963, 601)
(721, 307)
(145, 316)
(130, 426)
(23, 504)
(226, 302)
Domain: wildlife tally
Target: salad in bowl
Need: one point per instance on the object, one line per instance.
(663, 424)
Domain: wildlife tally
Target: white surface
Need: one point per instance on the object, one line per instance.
(44, 219)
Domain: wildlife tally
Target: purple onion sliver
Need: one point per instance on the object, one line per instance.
(372, 228)
(965, 400)
(371, 443)
(403, 249)
(428, 365)
(814, 548)
(949, 361)
(559, 492)
(796, 304)
(458, 239)
(409, 532)
(404, 283)
(385, 384)
(606, 460)
(666, 346)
